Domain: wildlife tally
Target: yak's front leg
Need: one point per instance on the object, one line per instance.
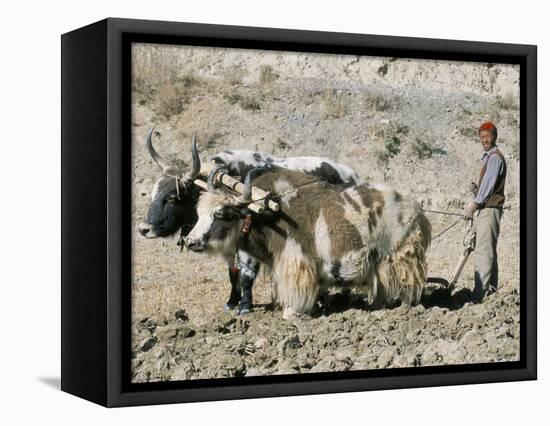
(235, 295)
(248, 268)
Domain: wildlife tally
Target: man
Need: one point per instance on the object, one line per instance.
(488, 202)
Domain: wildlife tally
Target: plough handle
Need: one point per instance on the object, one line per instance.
(470, 244)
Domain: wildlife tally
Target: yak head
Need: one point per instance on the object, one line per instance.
(173, 198)
(219, 217)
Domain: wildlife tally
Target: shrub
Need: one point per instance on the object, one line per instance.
(172, 99)
(250, 103)
(424, 149)
(507, 102)
(377, 103)
(392, 146)
(267, 74)
(281, 144)
(245, 102)
(401, 129)
(234, 75)
(334, 104)
(232, 97)
(468, 132)
(213, 139)
(383, 70)
(187, 80)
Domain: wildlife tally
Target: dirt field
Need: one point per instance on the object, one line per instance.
(407, 123)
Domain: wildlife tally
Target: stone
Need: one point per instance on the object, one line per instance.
(148, 344)
(385, 358)
(182, 315)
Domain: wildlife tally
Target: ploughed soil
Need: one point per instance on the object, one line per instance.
(408, 124)
(345, 335)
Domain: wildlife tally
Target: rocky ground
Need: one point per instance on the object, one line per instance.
(442, 330)
(409, 124)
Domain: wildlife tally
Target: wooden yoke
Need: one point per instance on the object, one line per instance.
(238, 187)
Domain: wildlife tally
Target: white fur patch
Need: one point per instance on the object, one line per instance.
(282, 185)
(397, 215)
(203, 225)
(305, 164)
(208, 204)
(360, 219)
(297, 281)
(322, 239)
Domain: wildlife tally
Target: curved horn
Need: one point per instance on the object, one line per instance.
(196, 161)
(154, 154)
(246, 196)
(210, 179)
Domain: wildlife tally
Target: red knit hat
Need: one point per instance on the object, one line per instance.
(488, 126)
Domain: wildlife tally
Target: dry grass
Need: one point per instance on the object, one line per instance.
(245, 101)
(234, 75)
(213, 140)
(468, 132)
(377, 103)
(267, 74)
(281, 145)
(334, 104)
(507, 102)
(250, 103)
(172, 99)
(166, 280)
(159, 79)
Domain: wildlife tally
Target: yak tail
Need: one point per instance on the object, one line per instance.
(402, 274)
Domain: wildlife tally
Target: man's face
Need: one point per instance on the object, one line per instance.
(487, 138)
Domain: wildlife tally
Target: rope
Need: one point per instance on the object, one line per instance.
(179, 181)
(443, 213)
(288, 191)
(448, 228)
(451, 226)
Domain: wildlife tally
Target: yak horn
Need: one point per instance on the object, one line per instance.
(246, 196)
(196, 161)
(154, 154)
(212, 174)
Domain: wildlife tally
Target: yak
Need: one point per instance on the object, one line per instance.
(174, 200)
(363, 236)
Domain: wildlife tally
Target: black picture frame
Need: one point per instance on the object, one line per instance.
(96, 207)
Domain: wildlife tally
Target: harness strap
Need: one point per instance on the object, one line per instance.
(179, 181)
(247, 223)
(235, 266)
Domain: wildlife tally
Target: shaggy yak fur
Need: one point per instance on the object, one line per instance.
(174, 202)
(361, 236)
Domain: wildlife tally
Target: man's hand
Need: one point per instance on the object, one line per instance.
(473, 188)
(470, 210)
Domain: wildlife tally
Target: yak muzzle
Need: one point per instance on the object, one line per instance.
(194, 245)
(145, 230)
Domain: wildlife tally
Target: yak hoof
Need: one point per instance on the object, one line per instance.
(243, 311)
(229, 307)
